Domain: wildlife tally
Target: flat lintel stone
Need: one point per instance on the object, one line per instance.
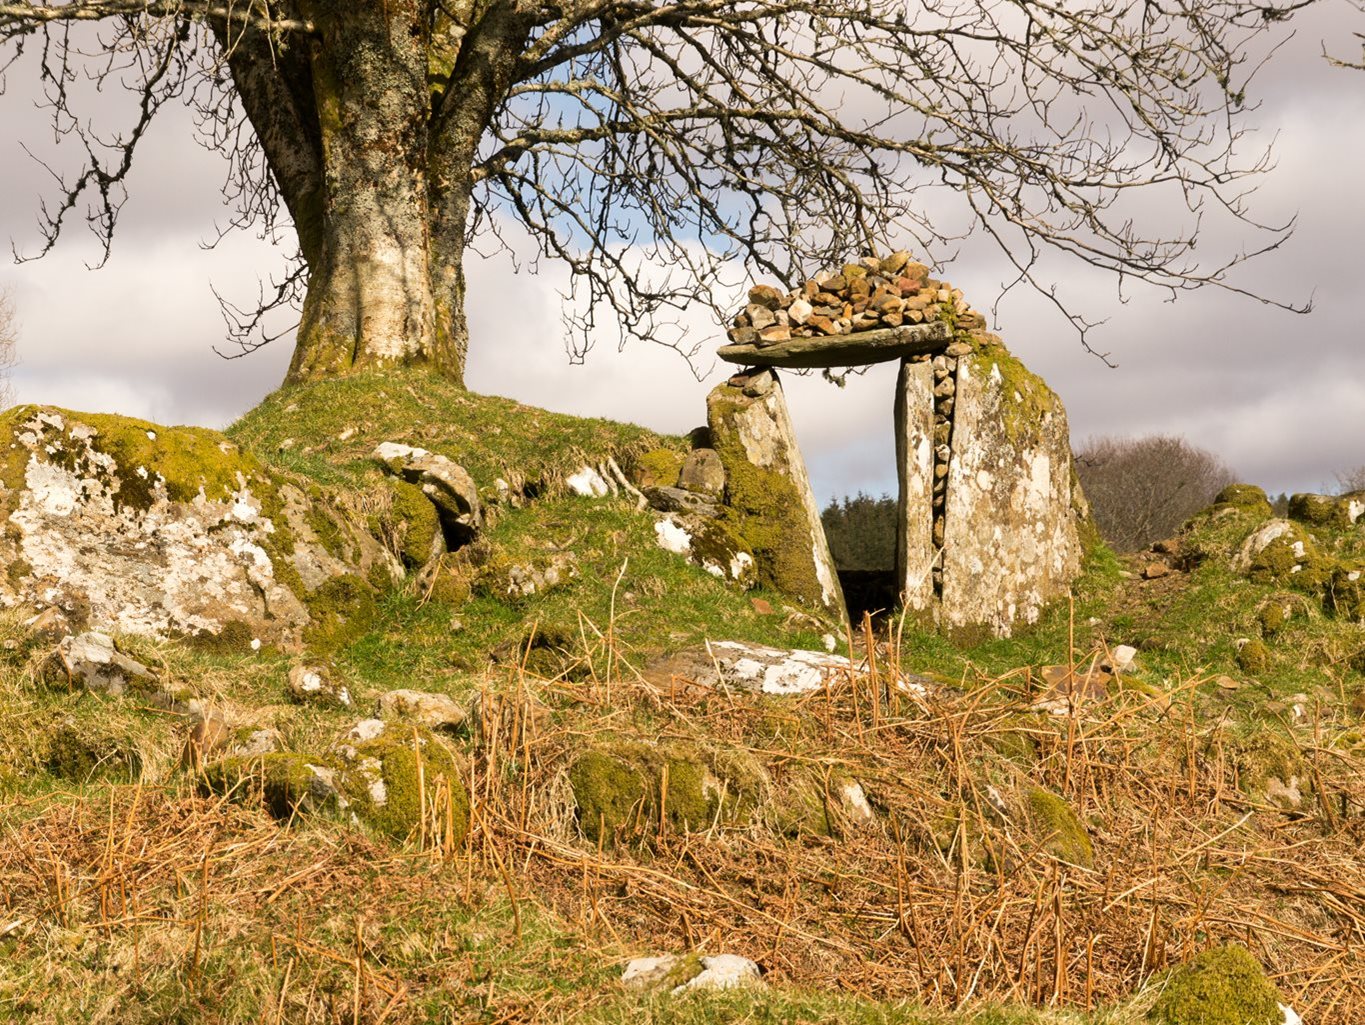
(852, 350)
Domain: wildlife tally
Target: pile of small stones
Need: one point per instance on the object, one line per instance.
(875, 293)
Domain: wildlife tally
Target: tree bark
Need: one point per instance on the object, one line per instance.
(371, 128)
(369, 301)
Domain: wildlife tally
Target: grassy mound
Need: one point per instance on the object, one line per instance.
(328, 429)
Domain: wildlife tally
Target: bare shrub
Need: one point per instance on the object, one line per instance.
(1143, 489)
(1351, 480)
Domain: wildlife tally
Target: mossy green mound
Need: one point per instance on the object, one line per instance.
(627, 789)
(329, 429)
(1291, 558)
(1054, 824)
(1246, 498)
(392, 782)
(1222, 986)
(1346, 591)
(284, 783)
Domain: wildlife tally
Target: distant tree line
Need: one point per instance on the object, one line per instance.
(861, 532)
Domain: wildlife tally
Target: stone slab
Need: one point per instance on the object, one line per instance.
(914, 414)
(860, 348)
(1010, 538)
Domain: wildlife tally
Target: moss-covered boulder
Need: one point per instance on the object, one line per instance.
(1283, 554)
(136, 528)
(1346, 590)
(286, 784)
(625, 789)
(1222, 986)
(392, 780)
(770, 506)
(1253, 656)
(1054, 825)
(1244, 498)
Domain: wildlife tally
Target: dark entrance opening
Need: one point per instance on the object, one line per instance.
(861, 531)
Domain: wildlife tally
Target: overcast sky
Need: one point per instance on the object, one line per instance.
(1280, 397)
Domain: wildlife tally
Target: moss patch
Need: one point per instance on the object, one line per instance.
(283, 783)
(657, 468)
(1222, 986)
(765, 512)
(411, 523)
(1056, 826)
(1025, 399)
(1253, 656)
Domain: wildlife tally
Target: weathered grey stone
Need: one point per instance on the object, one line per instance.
(703, 472)
(315, 685)
(680, 500)
(850, 350)
(434, 711)
(771, 507)
(134, 528)
(915, 549)
(90, 661)
(442, 480)
(1010, 538)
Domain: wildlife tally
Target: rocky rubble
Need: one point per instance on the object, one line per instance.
(874, 293)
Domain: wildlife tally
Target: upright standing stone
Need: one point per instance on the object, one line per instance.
(770, 505)
(1010, 538)
(914, 469)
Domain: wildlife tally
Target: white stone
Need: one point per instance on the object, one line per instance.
(588, 483)
(366, 730)
(914, 426)
(854, 802)
(1291, 1016)
(95, 664)
(1123, 656)
(724, 971)
(672, 537)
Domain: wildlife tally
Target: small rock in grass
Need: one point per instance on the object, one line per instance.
(314, 685)
(434, 711)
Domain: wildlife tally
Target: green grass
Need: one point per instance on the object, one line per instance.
(301, 429)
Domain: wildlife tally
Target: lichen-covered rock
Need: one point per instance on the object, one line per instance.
(711, 545)
(703, 472)
(91, 662)
(1010, 543)
(433, 711)
(770, 505)
(1284, 554)
(134, 528)
(446, 483)
(676, 974)
(1222, 986)
(740, 666)
(916, 551)
(316, 685)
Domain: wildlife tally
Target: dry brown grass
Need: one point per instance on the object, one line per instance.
(157, 900)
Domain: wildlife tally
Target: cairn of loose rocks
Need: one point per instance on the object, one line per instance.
(875, 293)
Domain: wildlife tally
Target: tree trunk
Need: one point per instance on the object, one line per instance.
(371, 128)
(371, 300)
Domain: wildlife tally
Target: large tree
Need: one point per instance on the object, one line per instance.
(650, 143)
